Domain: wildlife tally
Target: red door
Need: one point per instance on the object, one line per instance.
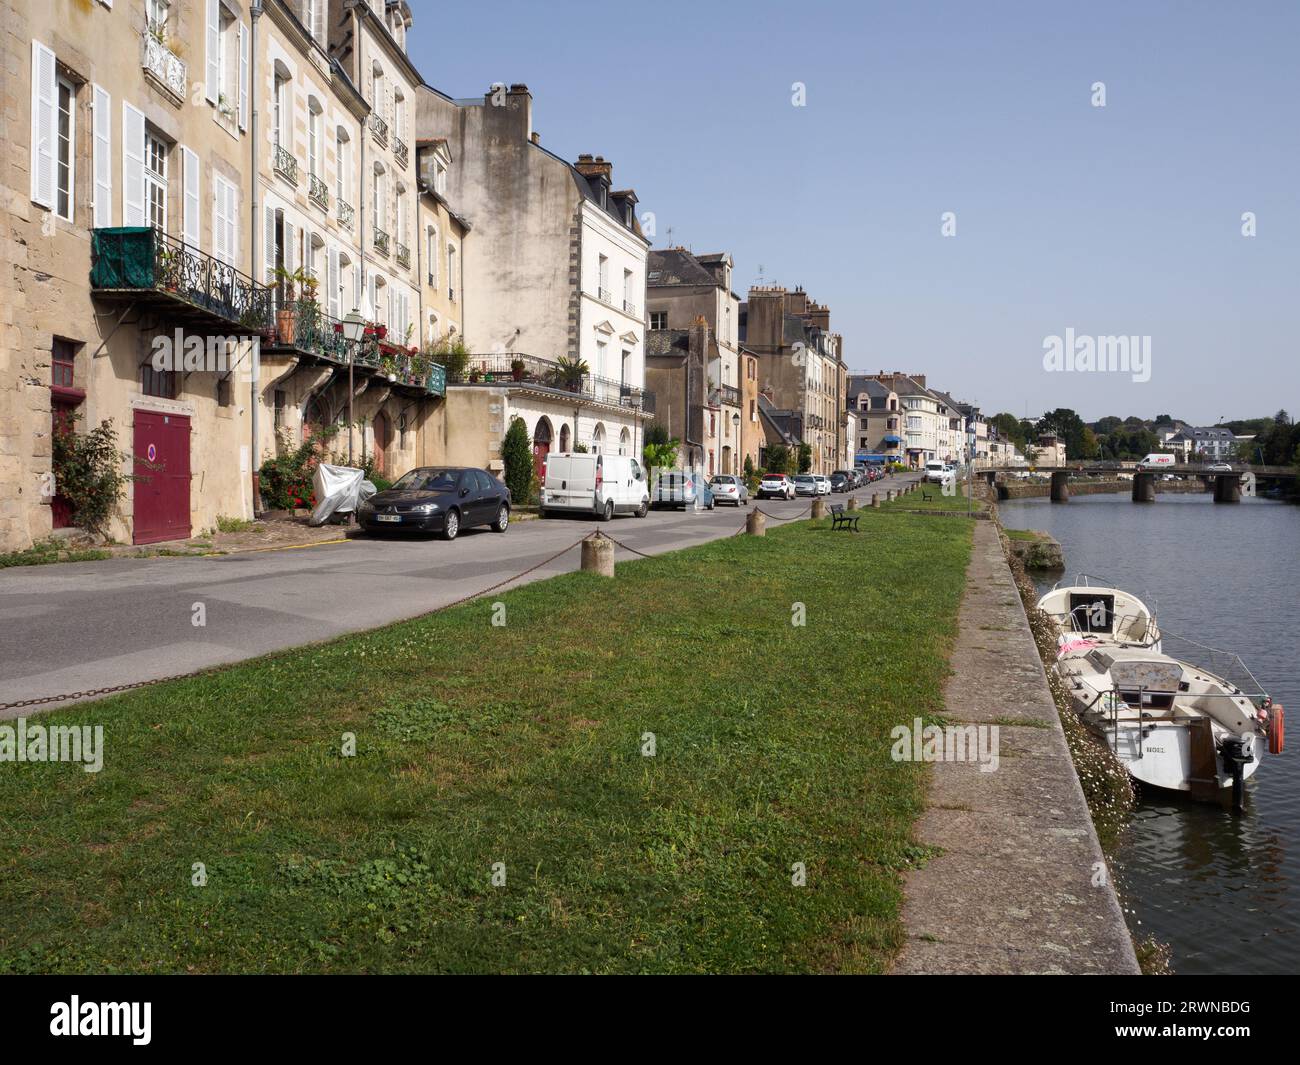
(162, 467)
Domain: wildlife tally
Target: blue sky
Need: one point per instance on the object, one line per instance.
(1117, 220)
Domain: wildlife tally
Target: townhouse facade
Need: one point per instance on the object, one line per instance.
(801, 368)
(880, 421)
(682, 290)
(555, 327)
(188, 200)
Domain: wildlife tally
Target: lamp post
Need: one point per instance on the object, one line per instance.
(735, 424)
(354, 328)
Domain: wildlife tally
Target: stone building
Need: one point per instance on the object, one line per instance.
(555, 325)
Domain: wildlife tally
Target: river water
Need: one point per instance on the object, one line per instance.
(1222, 889)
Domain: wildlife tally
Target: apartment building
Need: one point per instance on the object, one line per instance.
(555, 325)
(880, 420)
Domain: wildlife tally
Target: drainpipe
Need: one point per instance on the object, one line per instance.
(255, 10)
(361, 233)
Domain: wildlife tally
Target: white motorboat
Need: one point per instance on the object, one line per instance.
(1173, 725)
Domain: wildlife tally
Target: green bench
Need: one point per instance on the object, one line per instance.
(842, 519)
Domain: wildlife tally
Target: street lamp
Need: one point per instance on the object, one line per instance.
(735, 425)
(354, 328)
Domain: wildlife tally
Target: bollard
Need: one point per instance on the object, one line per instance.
(755, 523)
(598, 554)
(819, 509)
(875, 500)
(889, 495)
(852, 504)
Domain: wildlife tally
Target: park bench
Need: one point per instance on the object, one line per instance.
(925, 496)
(841, 519)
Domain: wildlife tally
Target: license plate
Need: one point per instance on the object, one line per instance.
(388, 517)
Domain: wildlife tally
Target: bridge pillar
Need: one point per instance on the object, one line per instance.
(1060, 486)
(1227, 488)
(992, 477)
(1144, 487)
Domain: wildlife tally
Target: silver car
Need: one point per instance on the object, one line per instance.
(727, 488)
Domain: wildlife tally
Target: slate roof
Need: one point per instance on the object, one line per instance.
(676, 266)
(667, 342)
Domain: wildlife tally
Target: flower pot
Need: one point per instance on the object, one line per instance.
(286, 324)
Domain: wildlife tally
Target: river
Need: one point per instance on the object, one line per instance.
(1222, 889)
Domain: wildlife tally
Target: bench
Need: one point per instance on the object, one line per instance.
(925, 496)
(841, 519)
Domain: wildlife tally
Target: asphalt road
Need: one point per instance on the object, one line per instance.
(74, 627)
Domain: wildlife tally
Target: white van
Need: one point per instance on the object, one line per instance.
(1153, 461)
(603, 485)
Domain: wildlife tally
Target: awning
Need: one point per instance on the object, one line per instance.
(892, 439)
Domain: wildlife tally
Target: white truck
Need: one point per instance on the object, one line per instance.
(603, 485)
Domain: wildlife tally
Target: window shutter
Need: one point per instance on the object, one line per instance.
(289, 248)
(332, 281)
(318, 21)
(214, 51)
(133, 212)
(102, 199)
(43, 125)
(190, 225)
(356, 287)
(219, 228)
(268, 248)
(390, 319)
(243, 76)
(232, 222)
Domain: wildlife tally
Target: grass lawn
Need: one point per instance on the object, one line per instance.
(519, 744)
(937, 501)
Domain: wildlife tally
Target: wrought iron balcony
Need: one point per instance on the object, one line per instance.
(400, 151)
(346, 214)
(151, 268)
(631, 308)
(725, 395)
(379, 128)
(163, 65)
(318, 192)
(381, 241)
(605, 295)
(285, 164)
(549, 376)
(401, 253)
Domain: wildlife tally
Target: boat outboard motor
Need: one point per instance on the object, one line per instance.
(1237, 753)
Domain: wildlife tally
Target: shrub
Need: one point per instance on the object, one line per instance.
(778, 459)
(286, 479)
(517, 454)
(805, 458)
(88, 473)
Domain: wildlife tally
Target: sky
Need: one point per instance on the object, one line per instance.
(1122, 220)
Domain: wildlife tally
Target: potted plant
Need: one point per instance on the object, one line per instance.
(286, 316)
(517, 369)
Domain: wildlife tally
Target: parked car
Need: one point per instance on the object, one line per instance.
(727, 488)
(935, 472)
(681, 488)
(602, 485)
(805, 484)
(1220, 467)
(823, 484)
(842, 481)
(439, 499)
(776, 486)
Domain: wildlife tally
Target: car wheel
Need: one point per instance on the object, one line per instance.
(608, 513)
(643, 509)
(503, 519)
(712, 504)
(451, 525)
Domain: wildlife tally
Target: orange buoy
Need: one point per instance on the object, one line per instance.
(1275, 729)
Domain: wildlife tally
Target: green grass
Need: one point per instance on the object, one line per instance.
(937, 501)
(519, 744)
(46, 551)
(232, 525)
(1021, 534)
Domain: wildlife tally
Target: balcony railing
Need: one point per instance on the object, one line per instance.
(137, 260)
(379, 128)
(381, 241)
(507, 368)
(401, 253)
(725, 395)
(631, 308)
(163, 65)
(318, 192)
(285, 164)
(346, 214)
(605, 295)
(400, 151)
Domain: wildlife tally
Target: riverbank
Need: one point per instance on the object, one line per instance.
(1020, 883)
(1012, 490)
(685, 769)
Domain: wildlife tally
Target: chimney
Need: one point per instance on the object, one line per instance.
(518, 101)
(594, 167)
(537, 137)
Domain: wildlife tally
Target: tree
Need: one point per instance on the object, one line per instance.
(778, 459)
(805, 458)
(1068, 427)
(517, 454)
(1008, 427)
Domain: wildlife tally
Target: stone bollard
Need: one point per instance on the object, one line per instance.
(889, 495)
(598, 554)
(819, 509)
(875, 500)
(852, 504)
(755, 523)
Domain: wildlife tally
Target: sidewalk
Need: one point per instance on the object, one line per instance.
(1012, 889)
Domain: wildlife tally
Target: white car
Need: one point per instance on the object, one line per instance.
(936, 472)
(823, 484)
(728, 488)
(776, 486)
(1220, 467)
(603, 485)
